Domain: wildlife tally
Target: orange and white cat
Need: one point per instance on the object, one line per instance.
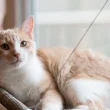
(30, 74)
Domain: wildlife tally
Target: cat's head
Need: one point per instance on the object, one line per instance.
(17, 45)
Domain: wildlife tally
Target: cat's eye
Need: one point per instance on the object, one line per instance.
(5, 47)
(23, 44)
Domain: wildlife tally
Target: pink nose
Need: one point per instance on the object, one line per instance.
(17, 55)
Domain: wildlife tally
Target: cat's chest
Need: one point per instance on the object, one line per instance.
(22, 83)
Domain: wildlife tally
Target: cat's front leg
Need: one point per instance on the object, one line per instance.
(52, 101)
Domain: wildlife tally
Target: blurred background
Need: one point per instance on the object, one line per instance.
(61, 22)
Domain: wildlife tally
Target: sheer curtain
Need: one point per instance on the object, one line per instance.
(23, 9)
(2, 12)
(63, 22)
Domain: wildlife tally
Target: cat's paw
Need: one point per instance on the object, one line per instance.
(47, 109)
(82, 107)
(52, 108)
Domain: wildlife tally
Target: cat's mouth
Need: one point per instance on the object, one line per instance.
(16, 62)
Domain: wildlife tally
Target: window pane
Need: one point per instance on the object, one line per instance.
(69, 5)
(68, 34)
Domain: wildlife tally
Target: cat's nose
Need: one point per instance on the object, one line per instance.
(17, 55)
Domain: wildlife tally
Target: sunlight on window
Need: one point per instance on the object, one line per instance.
(63, 22)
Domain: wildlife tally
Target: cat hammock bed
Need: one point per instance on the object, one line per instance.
(11, 103)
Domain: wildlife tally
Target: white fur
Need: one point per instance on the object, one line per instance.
(17, 45)
(86, 89)
(22, 83)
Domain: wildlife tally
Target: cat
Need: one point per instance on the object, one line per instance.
(31, 74)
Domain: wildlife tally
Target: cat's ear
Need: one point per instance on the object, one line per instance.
(28, 25)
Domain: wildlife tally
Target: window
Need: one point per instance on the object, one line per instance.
(63, 22)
